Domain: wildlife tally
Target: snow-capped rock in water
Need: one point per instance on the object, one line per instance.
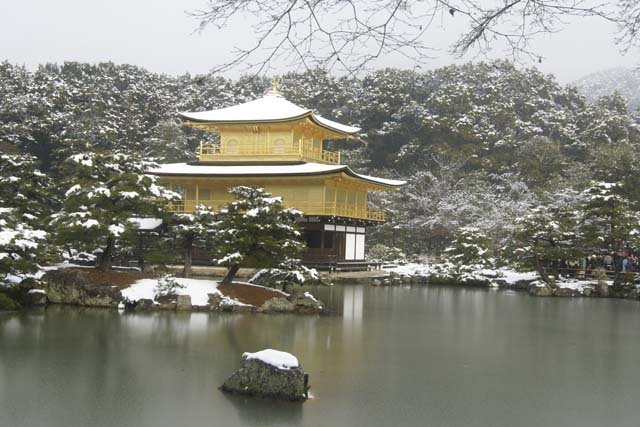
(268, 373)
(306, 303)
(279, 359)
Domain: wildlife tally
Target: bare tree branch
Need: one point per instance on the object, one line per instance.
(351, 34)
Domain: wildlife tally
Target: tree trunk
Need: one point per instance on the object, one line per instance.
(105, 259)
(617, 268)
(541, 271)
(231, 274)
(188, 257)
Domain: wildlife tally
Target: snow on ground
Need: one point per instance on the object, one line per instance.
(411, 268)
(13, 279)
(65, 264)
(511, 276)
(197, 289)
(579, 285)
(279, 359)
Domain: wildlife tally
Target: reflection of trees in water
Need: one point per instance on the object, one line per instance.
(72, 362)
(251, 411)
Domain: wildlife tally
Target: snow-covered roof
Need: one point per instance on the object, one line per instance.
(267, 109)
(146, 223)
(194, 169)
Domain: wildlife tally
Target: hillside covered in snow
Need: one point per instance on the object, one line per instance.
(626, 81)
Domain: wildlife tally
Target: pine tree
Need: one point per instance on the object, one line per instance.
(25, 188)
(544, 235)
(20, 246)
(188, 228)
(611, 225)
(469, 250)
(257, 230)
(103, 193)
(25, 201)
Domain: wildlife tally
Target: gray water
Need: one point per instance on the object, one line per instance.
(390, 357)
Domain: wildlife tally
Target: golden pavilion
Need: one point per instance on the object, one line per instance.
(276, 145)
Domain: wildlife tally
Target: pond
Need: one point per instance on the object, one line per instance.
(431, 356)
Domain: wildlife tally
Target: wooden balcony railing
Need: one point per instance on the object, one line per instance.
(299, 150)
(308, 208)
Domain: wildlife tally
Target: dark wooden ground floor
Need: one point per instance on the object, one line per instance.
(336, 244)
(333, 244)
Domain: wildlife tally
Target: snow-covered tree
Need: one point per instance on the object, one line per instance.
(444, 198)
(25, 188)
(545, 234)
(188, 228)
(611, 225)
(466, 257)
(25, 201)
(167, 288)
(20, 246)
(285, 277)
(103, 192)
(169, 143)
(257, 230)
(477, 142)
(470, 249)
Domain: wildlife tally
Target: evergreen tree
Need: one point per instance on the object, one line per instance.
(20, 246)
(25, 201)
(544, 235)
(469, 250)
(25, 188)
(611, 225)
(189, 228)
(104, 192)
(257, 230)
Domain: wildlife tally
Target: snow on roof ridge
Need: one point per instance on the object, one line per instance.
(265, 109)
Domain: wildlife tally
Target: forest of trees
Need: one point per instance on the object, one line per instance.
(505, 154)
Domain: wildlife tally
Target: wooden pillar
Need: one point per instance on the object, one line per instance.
(346, 201)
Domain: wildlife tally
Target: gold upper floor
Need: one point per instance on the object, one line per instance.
(297, 142)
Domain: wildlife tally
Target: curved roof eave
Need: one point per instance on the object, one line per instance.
(268, 109)
(305, 169)
(375, 180)
(317, 120)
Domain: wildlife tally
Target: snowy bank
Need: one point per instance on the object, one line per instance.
(197, 289)
(505, 278)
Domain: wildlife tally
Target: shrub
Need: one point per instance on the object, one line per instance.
(7, 303)
(167, 287)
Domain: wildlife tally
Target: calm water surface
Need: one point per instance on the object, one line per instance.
(392, 357)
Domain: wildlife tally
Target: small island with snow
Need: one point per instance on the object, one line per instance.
(269, 373)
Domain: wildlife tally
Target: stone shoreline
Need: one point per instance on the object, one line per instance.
(78, 287)
(532, 287)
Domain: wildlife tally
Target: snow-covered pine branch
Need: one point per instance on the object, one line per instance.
(257, 230)
(103, 192)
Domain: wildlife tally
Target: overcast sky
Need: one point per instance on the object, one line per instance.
(159, 35)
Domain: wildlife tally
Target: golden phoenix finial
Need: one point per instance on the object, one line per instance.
(275, 88)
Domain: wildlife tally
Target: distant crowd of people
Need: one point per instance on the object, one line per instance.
(628, 263)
